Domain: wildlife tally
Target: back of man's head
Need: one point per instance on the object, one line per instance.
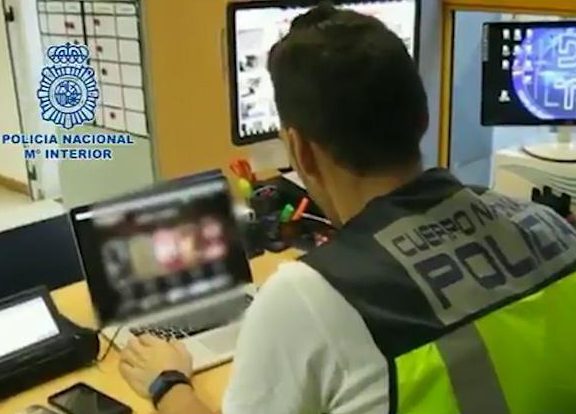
(348, 83)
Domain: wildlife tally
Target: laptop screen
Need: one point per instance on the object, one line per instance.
(161, 247)
(34, 323)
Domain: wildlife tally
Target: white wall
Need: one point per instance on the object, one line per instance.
(28, 58)
(12, 164)
(75, 182)
(471, 143)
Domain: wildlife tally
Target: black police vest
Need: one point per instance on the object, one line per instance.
(435, 255)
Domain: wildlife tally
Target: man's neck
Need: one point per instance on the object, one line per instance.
(356, 192)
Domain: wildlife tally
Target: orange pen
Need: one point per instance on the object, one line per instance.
(301, 209)
(242, 169)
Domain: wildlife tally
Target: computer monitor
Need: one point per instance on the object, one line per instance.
(529, 73)
(168, 244)
(253, 27)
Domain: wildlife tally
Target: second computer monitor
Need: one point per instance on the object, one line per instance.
(253, 27)
(529, 73)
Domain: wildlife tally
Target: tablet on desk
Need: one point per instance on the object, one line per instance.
(37, 343)
(34, 314)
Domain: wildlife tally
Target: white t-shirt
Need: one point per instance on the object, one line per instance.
(304, 350)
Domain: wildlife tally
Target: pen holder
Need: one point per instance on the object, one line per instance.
(271, 229)
(265, 200)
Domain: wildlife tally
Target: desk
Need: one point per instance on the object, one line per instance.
(74, 302)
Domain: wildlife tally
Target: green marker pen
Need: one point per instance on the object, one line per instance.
(287, 213)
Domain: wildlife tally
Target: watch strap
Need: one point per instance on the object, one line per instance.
(164, 383)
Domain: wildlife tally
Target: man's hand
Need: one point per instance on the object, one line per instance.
(146, 357)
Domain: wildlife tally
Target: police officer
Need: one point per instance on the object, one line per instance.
(434, 297)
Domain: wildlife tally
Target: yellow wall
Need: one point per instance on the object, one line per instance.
(187, 61)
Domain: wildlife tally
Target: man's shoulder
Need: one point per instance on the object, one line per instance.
(293, 275)
(299, 282)
(297, 291)
(295, 286)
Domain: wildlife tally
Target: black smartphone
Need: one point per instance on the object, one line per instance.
(83, 399)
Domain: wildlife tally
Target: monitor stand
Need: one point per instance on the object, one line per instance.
(563, 150)
(268, 155)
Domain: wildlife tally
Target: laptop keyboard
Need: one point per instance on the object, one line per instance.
(177, 332)
(166, 333)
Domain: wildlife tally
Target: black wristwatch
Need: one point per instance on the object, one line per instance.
(164, 383)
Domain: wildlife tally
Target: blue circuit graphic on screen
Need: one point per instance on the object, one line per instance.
(544, 72)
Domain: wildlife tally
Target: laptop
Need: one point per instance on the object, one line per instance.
(169, 261)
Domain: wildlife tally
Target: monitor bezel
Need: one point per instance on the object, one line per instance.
(233, 7)
(487, 27)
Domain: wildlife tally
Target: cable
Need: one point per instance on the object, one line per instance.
(317, 218)
(110, 344)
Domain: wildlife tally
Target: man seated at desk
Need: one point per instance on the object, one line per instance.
(433, 297)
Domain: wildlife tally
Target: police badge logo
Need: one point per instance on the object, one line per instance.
(68, 91)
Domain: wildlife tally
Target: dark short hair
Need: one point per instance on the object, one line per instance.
(348, 83)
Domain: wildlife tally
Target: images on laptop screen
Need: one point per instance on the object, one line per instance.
(165, 246)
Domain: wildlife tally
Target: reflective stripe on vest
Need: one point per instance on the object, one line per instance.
(524, 357)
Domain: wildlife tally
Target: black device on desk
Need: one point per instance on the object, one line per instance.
(83, 399)
(56, 262)
(560, 204)
(45, 345)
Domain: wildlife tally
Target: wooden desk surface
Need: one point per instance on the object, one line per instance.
(74, 302)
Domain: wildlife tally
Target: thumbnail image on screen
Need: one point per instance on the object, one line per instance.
(529, 73)
(160, 249)
(255, 27)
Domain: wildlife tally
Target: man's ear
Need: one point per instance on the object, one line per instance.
(301, 153)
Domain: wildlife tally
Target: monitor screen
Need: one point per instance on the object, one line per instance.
(34, 323)
(169, 244)
(529, 73)
(254, 27)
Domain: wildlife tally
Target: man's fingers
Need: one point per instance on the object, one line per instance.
(149, 340)
(126, 370)
(130, 356)
(180, 347)
(136, 346)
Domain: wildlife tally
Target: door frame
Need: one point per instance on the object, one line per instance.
(24, 188)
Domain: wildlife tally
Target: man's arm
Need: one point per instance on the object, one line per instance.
(181, 399)
(284, 363)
